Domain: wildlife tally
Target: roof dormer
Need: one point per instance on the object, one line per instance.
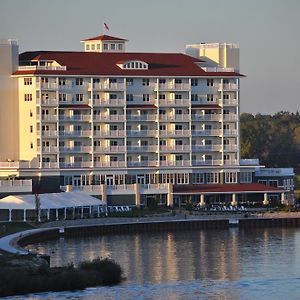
(104, 43)
(133, 65)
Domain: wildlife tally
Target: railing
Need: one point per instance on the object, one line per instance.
(173, 86)
(212, 162)
(228, 87)
(109, 133)
(84, 149)
(48, 118)
(183, 132)
(47, 102)
(231, 162)
(47, 149)
(132, 133)
(109, 102)
(149, 117)
(109, 164)
(179, 163)
(182, 118)
(210, 132)
(228, 102)
(229, 132)
(106, 86)
(207, 147)
(230, 148)
(212, 117)
(50, 165)
(48, 68)
(174, 102)
(75, 118)
(15, 185)
(149, 163)
(157, 186)
(230, 117)
(28, 165)
(250, 162)
(217, 69)
(112, 149)
(48, 133)
(83, 164)
(175, 148)
(150, 148)
(76, 133)
(85, 100)
(112, 118)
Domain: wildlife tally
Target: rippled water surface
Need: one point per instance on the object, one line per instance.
(211, 264)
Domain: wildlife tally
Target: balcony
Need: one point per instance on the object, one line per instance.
(174, 102)
(178, 118)
(231, 162)
(149, 148)
(48, 118)
(230, 118)
(48, 86)
(174, 133)
(110, 164)
(109, 102)
(205, 148)
(73, 165)
(73, 101)
(149, 163)
(49, 133)
(212, 162)
(175, 148)
(15, 186)
(109, 133)
(76, 133)
(208, 117)
(49, 165)
(230, 132)
(178, 163)
(172, 87)
(109, 149)
(230, 148)
(106, 86)
(137, 133)
(47, 102)
(74, 118)
(76, 149)
(47, 149)
(228, 102)
(228, 87)
(109, 118)
(209, 132)
(149, 117)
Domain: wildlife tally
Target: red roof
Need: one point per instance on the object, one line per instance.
(141, 106)
(105, 64)
(77, 106)
(224, 188)
(104, 37)
(207, 106)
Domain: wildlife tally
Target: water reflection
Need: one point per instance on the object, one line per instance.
(183, 256)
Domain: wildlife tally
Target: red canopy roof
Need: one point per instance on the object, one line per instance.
(224, 188)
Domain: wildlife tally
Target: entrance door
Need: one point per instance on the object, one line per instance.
(76, 181)
(109, 180)
(140, 179)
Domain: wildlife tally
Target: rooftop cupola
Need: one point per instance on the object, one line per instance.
(104, 43)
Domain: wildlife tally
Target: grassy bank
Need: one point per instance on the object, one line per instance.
(29, 275)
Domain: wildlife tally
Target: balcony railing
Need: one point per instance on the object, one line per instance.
(228, 87)
(228, 102)
(173, 86)
(49, 165)
(180, 148)
(230, 117)
(174, 102)
(210, 132)
(47, 149)
(211, 117)
(231, 162)
(83, 118)
(82, 149)
(109, 118)
(48, 133)
(106, 86)
(148, 133)
(180, 118)
(76, 133)
(149, 163)
(47, 102)
(230, 132)
(109, 102)
(109, 133)
(184, 132)
(212, 162)
(149, 117)
(48, 118)
(230, 148)
(109, 149)
(110, 164)
(82, 164)
(149, 148)
(178, 163)
(207, 148)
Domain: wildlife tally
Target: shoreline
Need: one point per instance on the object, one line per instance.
(16, 242)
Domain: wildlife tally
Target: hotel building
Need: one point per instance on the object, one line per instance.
(129, 126)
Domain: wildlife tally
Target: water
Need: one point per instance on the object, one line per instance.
(212, 264)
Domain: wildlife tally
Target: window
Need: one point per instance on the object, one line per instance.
(105, 46)
(120, 46)
(113, 112)
(162, 81)
(30, 113)
(210, 82)
(262, 182)
(162, 97)
(31, 129)
(44, 80)
(87, 47)
(246, 177)
(178, 142)
(146, 81)
(178, 111)
(28, 81)
(212, 177)
(79, 81)
(28, 97)
(178, 81)
(178, 96)
(230, 177)
(31, 145)
(93, 46)
(162, 142)
(194, 97)
(144, 158)
(113, 143)
(79, 97)
(113, 127)
(194, 82)
(225, 81)
(129, 97)
(62, 97)
(162, 127)
(162, 158)
(178, 157)
(144, 143)
(146, 97)
(273, 183)
(98, 46)
(178, 127)
(114, 158)
(129, 81)
(210, 97)
(162, 111)
(96, 80)
(226, 96)
(112, 46)
(113, 96)
(62, 81)
(198, 178)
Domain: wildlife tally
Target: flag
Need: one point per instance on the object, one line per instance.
(106, 27)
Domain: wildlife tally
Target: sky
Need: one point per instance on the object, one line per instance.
(267, 31)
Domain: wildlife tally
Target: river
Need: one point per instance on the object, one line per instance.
(200, 264)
